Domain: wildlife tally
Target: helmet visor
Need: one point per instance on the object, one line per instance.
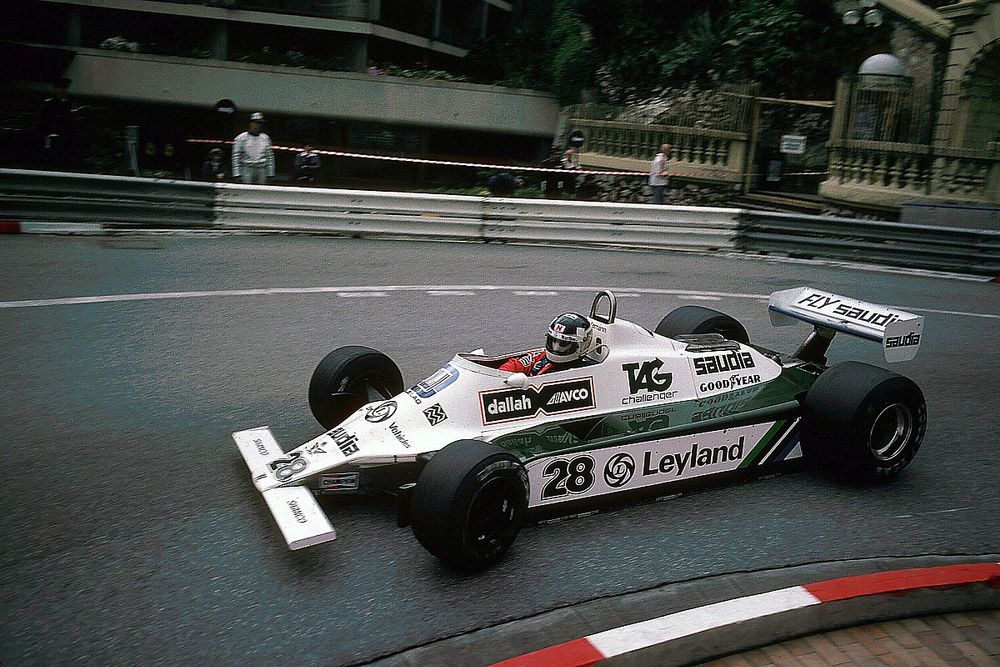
(561, 347)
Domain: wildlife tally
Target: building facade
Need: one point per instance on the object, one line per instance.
(375, 76)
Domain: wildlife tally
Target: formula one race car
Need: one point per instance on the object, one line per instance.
(473, 449)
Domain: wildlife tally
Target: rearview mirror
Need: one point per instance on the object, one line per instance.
(519, 380)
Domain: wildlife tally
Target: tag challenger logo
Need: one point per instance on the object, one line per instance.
(902, 341)
(550, 398)
(721, 363)
(380, 413)
(645, 378)
(822, 301)
(619, 470)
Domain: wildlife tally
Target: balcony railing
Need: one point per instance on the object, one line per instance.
(357, 10)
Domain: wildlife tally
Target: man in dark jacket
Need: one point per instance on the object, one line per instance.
(56, 125)
(214, 169)
(306, 165)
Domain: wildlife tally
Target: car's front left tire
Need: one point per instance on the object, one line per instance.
(469, 504)
(348, 378)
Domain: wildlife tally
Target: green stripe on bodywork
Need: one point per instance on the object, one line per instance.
(772, 401)
(765, 443)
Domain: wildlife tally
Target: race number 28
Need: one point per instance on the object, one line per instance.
(573, 476)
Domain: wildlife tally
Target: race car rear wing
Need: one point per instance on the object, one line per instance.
(300, 518)
(899, 332)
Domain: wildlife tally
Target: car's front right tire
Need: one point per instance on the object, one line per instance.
(469, 504)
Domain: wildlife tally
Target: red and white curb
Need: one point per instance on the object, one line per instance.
(625, 639)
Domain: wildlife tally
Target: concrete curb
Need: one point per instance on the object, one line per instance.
(689, 622)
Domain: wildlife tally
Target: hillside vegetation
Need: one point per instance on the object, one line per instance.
(627, 49)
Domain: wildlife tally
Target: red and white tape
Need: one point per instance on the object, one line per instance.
(625, 639)
(482, 165)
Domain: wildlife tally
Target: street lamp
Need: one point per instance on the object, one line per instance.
(871, 15)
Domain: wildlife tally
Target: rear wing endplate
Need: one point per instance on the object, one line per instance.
(300, 518)
(898, 332)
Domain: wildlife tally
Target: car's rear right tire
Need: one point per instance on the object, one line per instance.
(700, 320)
(469, 504)
(862, 422)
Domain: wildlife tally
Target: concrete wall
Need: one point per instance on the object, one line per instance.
(344, 95)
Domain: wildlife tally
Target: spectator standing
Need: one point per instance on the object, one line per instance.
(549, 187)
(253, 157)
(214, 169)
(568, 161)
(306, 165)
(658, 177)
(56, 125)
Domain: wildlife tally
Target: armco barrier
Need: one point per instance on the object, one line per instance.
(60, 202)
(366, 213)
(887, 243)
(49, 200)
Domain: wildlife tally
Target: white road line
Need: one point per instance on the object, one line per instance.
(451, 290)
(911, 516)
(361, 295)
(956, 312)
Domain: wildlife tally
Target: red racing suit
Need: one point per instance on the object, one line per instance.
(532, 363)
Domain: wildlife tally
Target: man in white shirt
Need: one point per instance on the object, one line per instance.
(658, 174)
(253, 158)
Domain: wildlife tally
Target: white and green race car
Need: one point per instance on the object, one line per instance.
(474, 451)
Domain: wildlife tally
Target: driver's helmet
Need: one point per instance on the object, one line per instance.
(569, 338)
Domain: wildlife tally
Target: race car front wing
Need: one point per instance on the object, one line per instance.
(299, 517)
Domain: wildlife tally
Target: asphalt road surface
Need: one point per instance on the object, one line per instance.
(131, 532)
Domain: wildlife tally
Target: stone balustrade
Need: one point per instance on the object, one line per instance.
(697, 153)
(887, 174)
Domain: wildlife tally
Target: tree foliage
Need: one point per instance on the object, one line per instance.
(634, 47)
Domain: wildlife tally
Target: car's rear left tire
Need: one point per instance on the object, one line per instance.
(862, 422)
(348, 378)
(469, 504)
(700, 320)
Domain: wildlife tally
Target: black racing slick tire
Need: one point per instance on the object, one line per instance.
(862, 423)
(469, 504)
(348, 378)
(701, 320)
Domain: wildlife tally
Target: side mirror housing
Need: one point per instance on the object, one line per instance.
(519, 380)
